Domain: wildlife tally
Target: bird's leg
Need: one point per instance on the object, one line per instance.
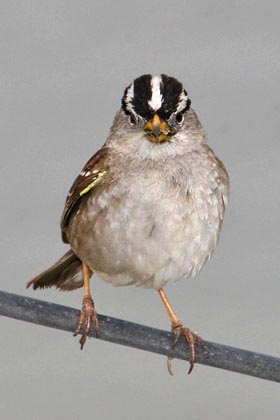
(178, 329)
(88, 312)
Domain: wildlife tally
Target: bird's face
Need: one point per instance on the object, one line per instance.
(156, 105)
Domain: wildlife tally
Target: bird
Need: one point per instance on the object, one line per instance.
(147, 208)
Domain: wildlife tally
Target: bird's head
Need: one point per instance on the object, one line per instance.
(157, 105)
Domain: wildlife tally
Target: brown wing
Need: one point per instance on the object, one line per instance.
(92, 174)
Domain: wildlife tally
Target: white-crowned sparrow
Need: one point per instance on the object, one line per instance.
(147, 208)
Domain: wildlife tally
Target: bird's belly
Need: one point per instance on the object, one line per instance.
(145, 241)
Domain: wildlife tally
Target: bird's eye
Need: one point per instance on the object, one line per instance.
(132, 120)
(179, 118)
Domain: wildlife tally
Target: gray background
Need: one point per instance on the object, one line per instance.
(64, 65)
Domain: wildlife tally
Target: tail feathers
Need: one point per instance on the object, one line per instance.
(65, 274)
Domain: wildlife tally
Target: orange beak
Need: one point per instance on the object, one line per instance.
(156, 130)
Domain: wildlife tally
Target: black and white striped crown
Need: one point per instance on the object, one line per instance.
(149, 94)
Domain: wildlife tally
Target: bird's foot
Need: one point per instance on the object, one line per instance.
(192, 339)
(87, 315)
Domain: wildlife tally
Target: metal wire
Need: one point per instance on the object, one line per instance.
(139, 336)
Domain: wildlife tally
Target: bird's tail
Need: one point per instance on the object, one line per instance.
(65, 274)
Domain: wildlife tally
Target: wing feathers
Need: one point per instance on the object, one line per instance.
(93, 173)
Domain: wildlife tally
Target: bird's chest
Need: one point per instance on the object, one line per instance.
(148, 230)
(148, 209)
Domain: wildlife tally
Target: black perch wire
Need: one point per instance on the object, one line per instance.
(141, 337)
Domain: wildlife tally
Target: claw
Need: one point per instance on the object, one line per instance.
(82, 340)
(87, 315)
(169, 365)
(178, 329)
(191, 337)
